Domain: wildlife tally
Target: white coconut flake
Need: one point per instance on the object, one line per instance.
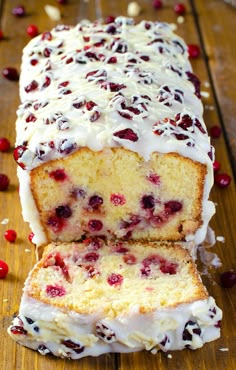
(5, 221)
(180, 19)
(206, 84)
(134, 9)
(224, 349)
(169, 356)
(5, 300)
(220, 239)
(27, 250)
(52, 12)
(205, 94)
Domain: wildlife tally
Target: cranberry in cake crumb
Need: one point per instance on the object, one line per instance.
(130, 259)
(63, 211)
(55, 291)
(91, 257)
(95, 202)
(148, 202)
(4, 182)
(95, 225)
(115, 279)
(154, 178)
(56, 223)
(58, 175)
(10, 235)
(3, 269)
(118, 199)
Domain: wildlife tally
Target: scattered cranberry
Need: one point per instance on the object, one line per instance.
(95, 225)
(1, 35)
(18, 11)
(193, 51)
(10, 235)
(4, 182)
(10, 73)
(4, 144)
(109, 19)
(3, 269)
(62, 2)
(117, 199)
(55, 291)
(157, 4)
(30, 236)
(115, 279)
(222, 180)
(58, 175)
(18, 330)
(32, 30)
(216, 166)
(180, 9)
(215, 132)
(228, 279)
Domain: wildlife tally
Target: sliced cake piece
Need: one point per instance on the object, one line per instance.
(88, 298)
(110, 135)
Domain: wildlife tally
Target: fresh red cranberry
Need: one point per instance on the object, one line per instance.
(76, 347)
(228, 279)
(1, 34)
(193, 51)
(55, 291)
(109, 19)
(222, 180)
(215, 132)
(30, 236)
(58, 175)
(148, 202)
(216, 166)
(118, 199)
(126, 134)
(115, 279)
(33, 85)
(4, 182)
(10, 235)
(32, 30)
(62, 2)
(10, 73)
(95, 225)
(169, 268)
(130, 259)
(180, 8)
(18, 11)
(17, 154)
(3, 269)
(91, 257)
(63, 211)
(4, 144)
(157, 4)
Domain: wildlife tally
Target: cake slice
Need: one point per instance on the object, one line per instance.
(110, 135)
(93, 297)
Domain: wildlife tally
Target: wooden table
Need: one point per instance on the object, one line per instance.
(208, 23)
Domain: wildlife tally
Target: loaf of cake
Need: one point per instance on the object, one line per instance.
(111, 140)
(93, 297)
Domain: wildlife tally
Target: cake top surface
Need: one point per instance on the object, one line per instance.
(96, 85)
(117, 278)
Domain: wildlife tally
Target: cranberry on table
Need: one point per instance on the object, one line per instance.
(18, 11)
(62, 2)
(4, 144)
(32, 30)
(216, 166)
(109, 19)
(193, 51)
(30, 236)
(3, 269)
(10, 73)
(10, 235)
(215, 132)
(180, 9)
(157, 4)
(4, 182)
(1, 34)
(228, 279)
(222, 180)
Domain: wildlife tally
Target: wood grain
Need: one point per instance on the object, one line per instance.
(216, 68)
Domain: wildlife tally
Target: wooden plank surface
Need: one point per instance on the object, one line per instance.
(215, 67)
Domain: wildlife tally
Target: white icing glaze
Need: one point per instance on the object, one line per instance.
(164, 329)
(73, 65)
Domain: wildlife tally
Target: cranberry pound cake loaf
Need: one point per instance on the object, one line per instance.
(93, 297)
(111, 140)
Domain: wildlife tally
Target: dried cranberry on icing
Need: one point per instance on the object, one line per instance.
(33, 85)
(126, 134)
(18, 330)
(105, 333)
(76, 347)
